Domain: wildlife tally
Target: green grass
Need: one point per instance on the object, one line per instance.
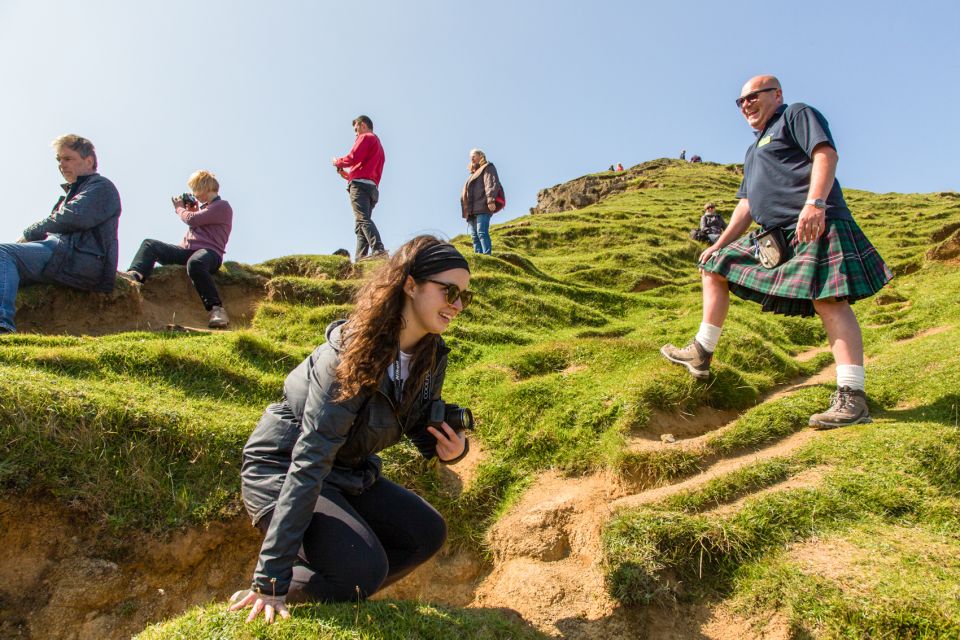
(558, 359)
(557, 369)
(380, 620)
(902, 472)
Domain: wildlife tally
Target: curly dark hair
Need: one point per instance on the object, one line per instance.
(372, 332)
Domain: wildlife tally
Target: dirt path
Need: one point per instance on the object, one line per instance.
(548, 551)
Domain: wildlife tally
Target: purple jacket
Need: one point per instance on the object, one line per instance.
(209, 226)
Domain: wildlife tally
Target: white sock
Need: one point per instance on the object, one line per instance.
(850, 375)
(709, 336)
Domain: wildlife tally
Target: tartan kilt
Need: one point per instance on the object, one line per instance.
(842, 264)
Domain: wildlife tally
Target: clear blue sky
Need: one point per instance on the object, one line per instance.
(263, 95)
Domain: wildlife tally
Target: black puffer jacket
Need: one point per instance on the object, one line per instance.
(309, 439)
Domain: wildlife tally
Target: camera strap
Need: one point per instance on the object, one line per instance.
(397, 380)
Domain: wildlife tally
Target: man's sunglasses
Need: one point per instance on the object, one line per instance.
(454, 292)
(751, 97)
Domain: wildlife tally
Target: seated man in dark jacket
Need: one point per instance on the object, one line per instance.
(76, 245)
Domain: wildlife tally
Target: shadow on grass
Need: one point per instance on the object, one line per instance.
(945, 409)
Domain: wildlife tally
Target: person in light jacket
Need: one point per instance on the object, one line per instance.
(482, 197)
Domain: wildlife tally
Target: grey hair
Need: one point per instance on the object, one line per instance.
(480, 153)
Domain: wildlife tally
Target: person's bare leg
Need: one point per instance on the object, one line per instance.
(849, 403)
(716, 298)
(696, 356)
(843, 331)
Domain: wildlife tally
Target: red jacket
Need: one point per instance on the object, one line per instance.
(365, 160)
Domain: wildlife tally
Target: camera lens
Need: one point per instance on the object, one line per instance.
(460, 419)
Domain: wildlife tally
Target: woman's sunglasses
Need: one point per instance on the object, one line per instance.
(453, 292)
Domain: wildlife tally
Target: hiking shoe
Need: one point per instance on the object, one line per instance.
(218, 318)
(847, 406)
(131, 276)
(694, 357)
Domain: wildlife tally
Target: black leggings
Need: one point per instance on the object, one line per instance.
(356, 545)
(201, 265)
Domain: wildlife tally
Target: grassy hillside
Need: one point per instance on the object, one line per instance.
(558, 359)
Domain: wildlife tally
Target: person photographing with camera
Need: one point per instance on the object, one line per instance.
(335, 529)
(210, 220)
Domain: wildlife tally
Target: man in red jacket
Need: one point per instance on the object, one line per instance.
(362, 168)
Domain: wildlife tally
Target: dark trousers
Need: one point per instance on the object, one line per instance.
(357, 544)
(363, 198)
(201, 265)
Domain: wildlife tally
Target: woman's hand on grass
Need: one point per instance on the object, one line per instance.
(450, 444)
(269, 605)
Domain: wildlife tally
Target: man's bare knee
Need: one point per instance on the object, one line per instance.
(716, 279)
(829, 306)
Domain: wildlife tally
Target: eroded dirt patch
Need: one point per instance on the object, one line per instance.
(167, 298)
(61, 577)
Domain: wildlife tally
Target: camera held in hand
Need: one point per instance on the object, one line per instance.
(459, 418)
(187, 199)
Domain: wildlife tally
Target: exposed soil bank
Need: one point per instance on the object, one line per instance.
(168, 298)
(61, 578)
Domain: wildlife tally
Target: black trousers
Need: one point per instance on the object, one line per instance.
(363, 198)
(357, 544)
(201, 265)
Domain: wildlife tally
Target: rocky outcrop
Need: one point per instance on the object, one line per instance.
(593, 188)
(590, 189)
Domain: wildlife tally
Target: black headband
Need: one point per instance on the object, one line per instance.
(437, 258)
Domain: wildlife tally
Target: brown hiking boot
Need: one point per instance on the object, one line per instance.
(218, 318)
(847, 406)
(694, 357)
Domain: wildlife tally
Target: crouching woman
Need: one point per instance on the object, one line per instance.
(334, 528)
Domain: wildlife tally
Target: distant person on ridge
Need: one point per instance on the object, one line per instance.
(482, 197)
(76, 245)
(336, 529)
(683, 154)
(209, 219)
(362, 168)
(789, 188)
(711, 225)
(619, 167)
(695, 158)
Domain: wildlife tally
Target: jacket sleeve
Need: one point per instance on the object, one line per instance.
(95, 203)
(324, 429)
(359, 153)
(491, 184)
(217, 213)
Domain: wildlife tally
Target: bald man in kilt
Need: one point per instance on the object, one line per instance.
(789, 183)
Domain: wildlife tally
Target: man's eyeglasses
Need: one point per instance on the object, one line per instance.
(751, 97)
(453, 292)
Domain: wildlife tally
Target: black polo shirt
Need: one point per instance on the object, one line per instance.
(776, 170)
